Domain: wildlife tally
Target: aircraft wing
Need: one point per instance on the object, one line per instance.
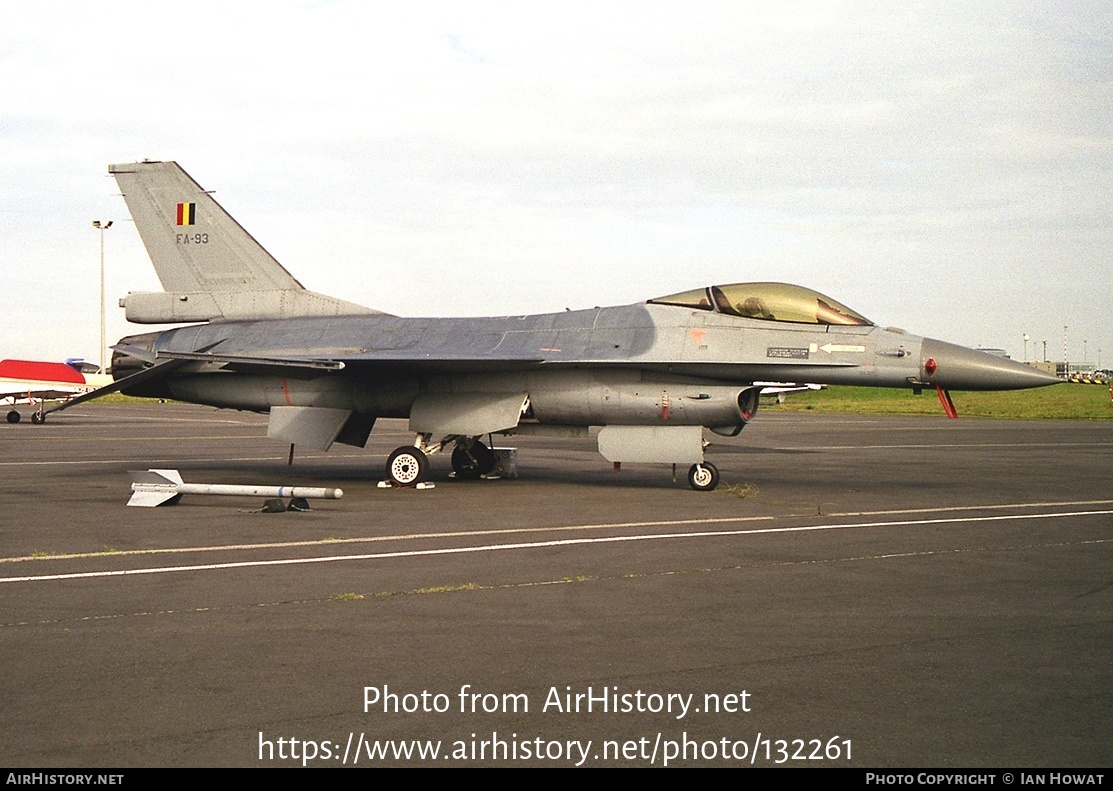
(295, 367)
(24, 380)
(420, 362)
(46, 394)
(310, 366)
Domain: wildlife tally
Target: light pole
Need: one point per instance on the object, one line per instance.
(1025, 336)
(1066, 362)
(102, 227)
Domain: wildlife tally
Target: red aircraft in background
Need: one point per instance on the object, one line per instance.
(34, 381)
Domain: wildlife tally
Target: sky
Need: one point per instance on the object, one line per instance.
(944, 167)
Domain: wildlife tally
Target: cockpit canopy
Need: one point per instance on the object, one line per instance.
(769, 301)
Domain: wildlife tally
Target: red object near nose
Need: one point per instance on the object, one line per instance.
(930, 366)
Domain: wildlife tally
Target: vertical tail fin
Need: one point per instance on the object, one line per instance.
(211, 268)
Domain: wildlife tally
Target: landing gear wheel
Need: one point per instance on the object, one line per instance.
(407, 466)
(38, 418)
(472, 463)
(703, 477)
(13, 417)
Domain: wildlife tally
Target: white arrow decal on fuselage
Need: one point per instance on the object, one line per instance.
(836, 347)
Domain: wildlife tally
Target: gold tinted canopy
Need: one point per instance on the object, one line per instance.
(768, 301)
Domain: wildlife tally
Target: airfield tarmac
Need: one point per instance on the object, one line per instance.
(916, 591)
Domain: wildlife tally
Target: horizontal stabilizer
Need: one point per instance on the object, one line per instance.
(128, 381)
(172, 308)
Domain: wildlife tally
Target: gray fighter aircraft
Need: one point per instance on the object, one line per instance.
(652, 375)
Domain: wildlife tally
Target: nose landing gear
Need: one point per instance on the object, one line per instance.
(407, 466)
(703, 477)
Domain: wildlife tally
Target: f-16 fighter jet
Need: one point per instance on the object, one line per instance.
(653, 375)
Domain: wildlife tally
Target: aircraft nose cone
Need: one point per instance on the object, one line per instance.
(954, 367)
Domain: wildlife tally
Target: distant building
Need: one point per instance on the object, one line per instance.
(1067, 369)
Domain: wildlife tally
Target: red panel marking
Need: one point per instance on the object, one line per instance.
(40, 371)
(286, 391)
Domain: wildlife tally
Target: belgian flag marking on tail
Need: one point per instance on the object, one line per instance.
(187, 213)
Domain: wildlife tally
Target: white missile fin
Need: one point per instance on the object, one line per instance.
(146, 499)
(171, 476)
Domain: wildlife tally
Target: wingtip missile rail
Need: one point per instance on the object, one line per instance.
(151, 488)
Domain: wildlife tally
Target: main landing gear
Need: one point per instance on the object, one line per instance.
(472, 461)
(38, 418)
(409, 465)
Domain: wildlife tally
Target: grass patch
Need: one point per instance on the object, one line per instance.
(118, 398)
(468, 586)
(743, 491)
(1057, 402)
(348, 597)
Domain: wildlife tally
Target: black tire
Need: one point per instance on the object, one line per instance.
(407, 466)
(13, 417)
(472, 463)
(38, 418)
(703, 477)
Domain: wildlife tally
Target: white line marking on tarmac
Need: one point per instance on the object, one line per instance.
(943, 508)
(924, 445)
(182, 460)
(526, 530)
(562, 581)
(541, 545)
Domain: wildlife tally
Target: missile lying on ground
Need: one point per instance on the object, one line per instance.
(151, 488)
